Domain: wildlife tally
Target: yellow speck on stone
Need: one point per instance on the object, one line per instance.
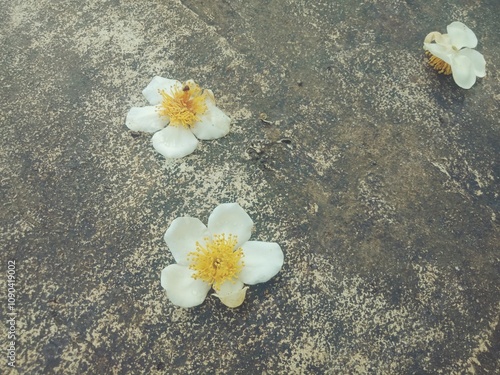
(219, 261)
(184, 106)
(438, 64)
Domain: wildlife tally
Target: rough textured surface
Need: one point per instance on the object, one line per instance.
(379, 178)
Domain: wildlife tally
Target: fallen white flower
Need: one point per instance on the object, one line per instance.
(453, 53)
(188, 110)
(218, 255)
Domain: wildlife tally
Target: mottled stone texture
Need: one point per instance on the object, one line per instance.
(379, 178)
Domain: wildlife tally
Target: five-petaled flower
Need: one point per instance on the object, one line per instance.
(453, 53)
(218, 255)
(188, 110)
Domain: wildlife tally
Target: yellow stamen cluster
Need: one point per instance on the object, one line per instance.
(438, 64)
(218, 261)
(184, 105)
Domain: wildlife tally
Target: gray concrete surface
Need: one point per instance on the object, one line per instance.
(384, 197)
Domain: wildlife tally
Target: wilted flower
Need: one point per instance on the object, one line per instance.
(452, 53)
(218, 255)
(187, 109)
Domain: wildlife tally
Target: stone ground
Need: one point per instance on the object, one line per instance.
(378, 177)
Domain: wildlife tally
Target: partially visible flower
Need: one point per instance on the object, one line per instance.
(452, 53)
(187, 109)
(219, 255)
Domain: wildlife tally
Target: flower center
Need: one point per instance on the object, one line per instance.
(218, 261)
(184, 105)
(438, 64)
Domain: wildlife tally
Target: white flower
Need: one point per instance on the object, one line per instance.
(219, 255)
(453, 53)
(188, 110)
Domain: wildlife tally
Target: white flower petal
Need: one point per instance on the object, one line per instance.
(461, 35)
(432, 36)
(230, 218)
(442, 52)
(463, 72)
(182, 235)
(151, 92)
(443, 40)
(182, 289)
(174, 142)
(145, 119)
(229, 287)
(477, 61)
(231, 293)
(262, 261)
(213, 123)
